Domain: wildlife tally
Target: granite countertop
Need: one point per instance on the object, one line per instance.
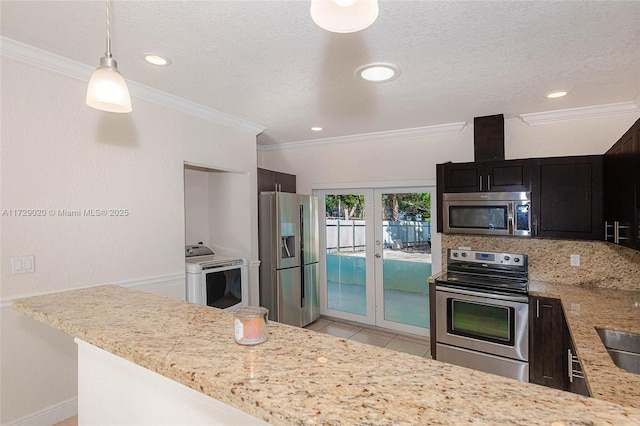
(586, 309)
(302, 377)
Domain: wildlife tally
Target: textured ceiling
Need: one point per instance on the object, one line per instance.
(268, 63)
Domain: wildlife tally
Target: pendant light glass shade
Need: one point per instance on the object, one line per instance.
(344, 16)
(107, 89)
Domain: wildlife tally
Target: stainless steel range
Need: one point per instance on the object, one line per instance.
(482, 312)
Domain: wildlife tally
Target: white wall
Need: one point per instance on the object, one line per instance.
(57, 153)
(403, 159)
(217, 210)
(196, 207)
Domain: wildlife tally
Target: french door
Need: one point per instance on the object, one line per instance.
(376, 249)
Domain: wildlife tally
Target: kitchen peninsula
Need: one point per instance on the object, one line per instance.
(299, 376)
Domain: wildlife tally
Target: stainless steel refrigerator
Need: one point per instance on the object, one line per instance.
(289, 245)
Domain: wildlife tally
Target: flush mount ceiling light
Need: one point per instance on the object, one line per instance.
(107, 89)
(344, 16)
(316, 128)
(378, 73)
(155, 59)
(556, 94)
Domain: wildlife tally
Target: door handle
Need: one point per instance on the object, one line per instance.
(378, 255)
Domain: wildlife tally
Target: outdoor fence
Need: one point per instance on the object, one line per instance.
(349, 235)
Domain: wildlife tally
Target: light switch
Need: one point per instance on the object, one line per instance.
(23, 264)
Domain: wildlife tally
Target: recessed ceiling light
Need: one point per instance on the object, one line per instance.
(316, 129)
(378, 73)
(155, 59)
(556, 94)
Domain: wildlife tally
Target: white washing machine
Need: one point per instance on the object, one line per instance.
(212, 280)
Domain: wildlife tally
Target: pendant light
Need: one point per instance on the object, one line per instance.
(107, 89)
(344, 16)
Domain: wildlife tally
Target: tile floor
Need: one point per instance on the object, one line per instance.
(413, 345)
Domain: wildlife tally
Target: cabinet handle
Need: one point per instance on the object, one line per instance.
(570, 365)
(537, 308)
(535, 227)
(488, 182)
(606, 230)
(616, 232)
(480, 180)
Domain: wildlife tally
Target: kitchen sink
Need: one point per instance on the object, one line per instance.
(623, 348)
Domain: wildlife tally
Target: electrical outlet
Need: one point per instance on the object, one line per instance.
(23, 264)
(575, 260)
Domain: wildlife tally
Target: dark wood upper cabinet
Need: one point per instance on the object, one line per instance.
(487, 176)
(622, 189)
(488, 138)
(269, 180)
(567, 198)
(508, 176)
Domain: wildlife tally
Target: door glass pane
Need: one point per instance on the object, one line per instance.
(346, 261)
(406, 240)
(481, 217)
(477, 320)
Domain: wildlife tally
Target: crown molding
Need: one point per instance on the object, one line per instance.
(579, 113)
(70, 68)
(441, 129)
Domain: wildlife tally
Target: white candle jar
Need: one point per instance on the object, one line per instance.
(251, 325)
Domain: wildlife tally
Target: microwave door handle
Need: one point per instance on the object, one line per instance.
(510, 218)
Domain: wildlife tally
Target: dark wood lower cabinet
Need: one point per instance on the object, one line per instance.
(432, 317)
(546, 366)
(553, 360)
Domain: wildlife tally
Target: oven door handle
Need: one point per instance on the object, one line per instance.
(523, 299)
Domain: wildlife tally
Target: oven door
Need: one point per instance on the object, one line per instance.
(225, 287)
(483, 322)
(478, 217)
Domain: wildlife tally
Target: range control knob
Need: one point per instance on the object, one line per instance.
(464, 254)
(455, 254)
(506, 258)
(516, 259)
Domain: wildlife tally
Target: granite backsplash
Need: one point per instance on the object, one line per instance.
(602, 264)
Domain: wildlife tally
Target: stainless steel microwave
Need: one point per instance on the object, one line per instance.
(487, 213)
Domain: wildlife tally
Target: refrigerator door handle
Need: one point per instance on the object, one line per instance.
(301, 255)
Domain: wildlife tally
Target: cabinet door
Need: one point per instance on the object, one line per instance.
(567, 197)
(463, 177)
(269, 180)
(546, 357)
(266, 180)
(287, 182)
(575, 381)
(622, 189)
(508, 176)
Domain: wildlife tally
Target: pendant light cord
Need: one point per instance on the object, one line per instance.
(108, 52)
